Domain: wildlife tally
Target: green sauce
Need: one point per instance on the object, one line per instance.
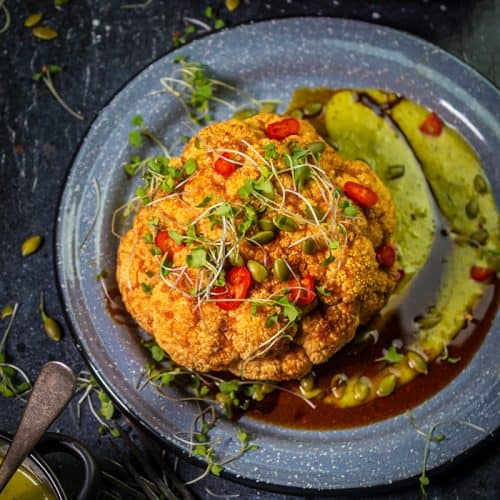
(438, 192)
(24, 485)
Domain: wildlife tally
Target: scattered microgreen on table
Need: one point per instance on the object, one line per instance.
(46, 75)
(13, 381)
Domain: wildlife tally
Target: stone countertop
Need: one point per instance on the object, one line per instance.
(100, 46)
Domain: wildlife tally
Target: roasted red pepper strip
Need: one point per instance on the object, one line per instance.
(305, 294)
(386, 255)
(283, 128)
(238, 281)
(479, 273)
(360, 194)
(223, 166)
(432, 125)
(166, 244)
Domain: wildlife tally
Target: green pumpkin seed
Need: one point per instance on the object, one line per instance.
(307, 383)
(316, 147)
(338, 385)
(312, 109)
(387, 385)
(480, 184)
(285, 223)
(268, 388)
(362, 388)
(266, 225)
(268, 107)
(281, 270)
(472, 209)
(309, 246)
(417, 362)
(314, 213)
(429, 320)
(315, 393)
(257, 270)
(31, 245)
(243, 114)
(235, 259)
(262, 237)
(296, 113)
(258, 394)
(7, 311)
(33, 19)
(52, 329)
(44, 33)
(480, 236)
(395, 172)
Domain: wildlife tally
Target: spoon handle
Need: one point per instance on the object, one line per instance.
(52, 391)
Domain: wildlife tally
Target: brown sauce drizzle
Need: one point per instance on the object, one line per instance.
(287, 410)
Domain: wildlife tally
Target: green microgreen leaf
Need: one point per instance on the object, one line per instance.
(148, 238)
(137, 121)
(271, 320)
(135, 138)
(190, 166)
(270, 152)
(219, 24)
(216, 469)
(197, 258)
(147, 289)
(392, 355)
(230, 386)
(176, 236)
(157, 353)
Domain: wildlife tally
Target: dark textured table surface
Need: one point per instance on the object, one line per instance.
(100, 47)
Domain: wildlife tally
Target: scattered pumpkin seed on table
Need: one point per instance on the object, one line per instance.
(33, 19)
(50, 325)
(44, 33)
(7, 311)
(31, 245)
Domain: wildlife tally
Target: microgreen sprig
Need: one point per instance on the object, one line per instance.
(45, 75)
(106, 412)
(10, 373)
(432, 437)
(6, 14)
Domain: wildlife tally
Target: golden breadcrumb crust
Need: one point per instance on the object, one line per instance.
(208, 338)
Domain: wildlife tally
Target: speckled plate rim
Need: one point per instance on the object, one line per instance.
(363, 36)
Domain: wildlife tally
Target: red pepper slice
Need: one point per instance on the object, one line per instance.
(304, 295)
(360, 194)
(479, 273)
(166, 244)
(432, 125)
(283, 128)
(238, 281)
(386, 255)
(223, 166)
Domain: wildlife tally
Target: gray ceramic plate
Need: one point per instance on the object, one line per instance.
(269, 60)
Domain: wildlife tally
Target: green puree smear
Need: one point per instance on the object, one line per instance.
(437, 182)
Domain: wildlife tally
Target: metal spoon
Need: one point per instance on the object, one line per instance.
(52, 391)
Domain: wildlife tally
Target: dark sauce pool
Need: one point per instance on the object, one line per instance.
(287, 410)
